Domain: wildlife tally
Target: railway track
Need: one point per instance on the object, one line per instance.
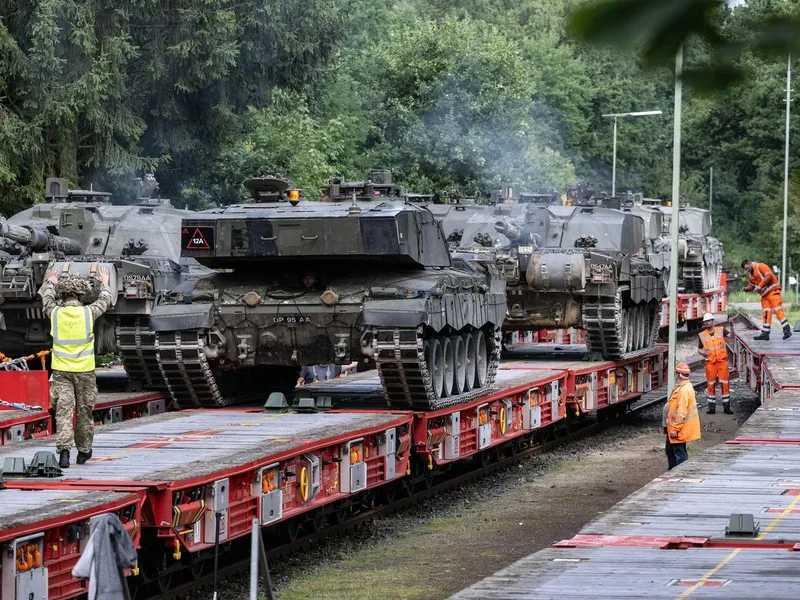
(296, 535)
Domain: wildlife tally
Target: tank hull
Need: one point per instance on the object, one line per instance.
(256, 324)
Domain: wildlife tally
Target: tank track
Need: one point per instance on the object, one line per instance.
(173, 362)
(135, 345)
(602, 320)
(404, 373)
(696, 280)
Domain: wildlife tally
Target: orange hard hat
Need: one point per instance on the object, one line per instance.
(683, 369)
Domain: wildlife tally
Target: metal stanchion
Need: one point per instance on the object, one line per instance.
(255, 533)
(217, 518)
(265, 569)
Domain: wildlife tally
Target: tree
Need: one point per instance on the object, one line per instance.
(453, 108)
(97, 90)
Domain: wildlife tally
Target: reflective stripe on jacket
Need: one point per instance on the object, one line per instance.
(682, 416)
(763, 278)
(714, 344)
(72, 328)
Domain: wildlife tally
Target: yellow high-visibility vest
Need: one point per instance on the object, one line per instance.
(72, 328)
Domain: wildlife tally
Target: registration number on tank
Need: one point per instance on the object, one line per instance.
(293, 320)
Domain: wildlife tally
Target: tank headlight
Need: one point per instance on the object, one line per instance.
(329, 298)
(252, 299)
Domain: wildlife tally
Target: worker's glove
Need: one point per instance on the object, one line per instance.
(673, 434)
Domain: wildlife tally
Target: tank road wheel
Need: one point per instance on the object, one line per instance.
(470, 351)
(626, 330)
(635, 327)
(459, 363)
(433, 356)
(481, 358)
(642, 323)
(448, 367)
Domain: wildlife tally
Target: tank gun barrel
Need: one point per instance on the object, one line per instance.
(38, 240)
(511, 231)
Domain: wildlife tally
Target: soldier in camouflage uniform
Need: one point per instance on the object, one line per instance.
(74, 381)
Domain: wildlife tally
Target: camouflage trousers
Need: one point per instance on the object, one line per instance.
(74, 393)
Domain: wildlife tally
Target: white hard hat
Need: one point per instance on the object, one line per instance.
(708, 317)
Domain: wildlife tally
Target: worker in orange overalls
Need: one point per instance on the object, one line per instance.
(711, 343)
(681, 421)
(763, 281)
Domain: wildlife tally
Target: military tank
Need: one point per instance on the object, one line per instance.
(77, 231)
(657, 242)
(364, 272)
(574, 266)
(699, 254)
(457, 213)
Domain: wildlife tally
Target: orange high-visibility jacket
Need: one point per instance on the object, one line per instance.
(682, 416)
(714, 344)
(763, 280)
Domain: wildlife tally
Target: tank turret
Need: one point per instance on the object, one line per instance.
(365, 273)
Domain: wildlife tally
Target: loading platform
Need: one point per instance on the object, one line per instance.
(725, 525)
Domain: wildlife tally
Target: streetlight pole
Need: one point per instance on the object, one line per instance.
(675, 225)
(786, 167)
(614, 162)
(645, 113)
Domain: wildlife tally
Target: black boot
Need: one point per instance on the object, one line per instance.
(712, 409)
(63, 460)
(726, 408)
(764, 335)
(83, 457)
(787, 332)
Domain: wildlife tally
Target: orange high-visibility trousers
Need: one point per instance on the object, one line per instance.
(772, 302)
(717, 372)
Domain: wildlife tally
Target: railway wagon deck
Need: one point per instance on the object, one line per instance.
(199, 470)
(44, 532)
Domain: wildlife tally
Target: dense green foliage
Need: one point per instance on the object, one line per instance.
(450, 94)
